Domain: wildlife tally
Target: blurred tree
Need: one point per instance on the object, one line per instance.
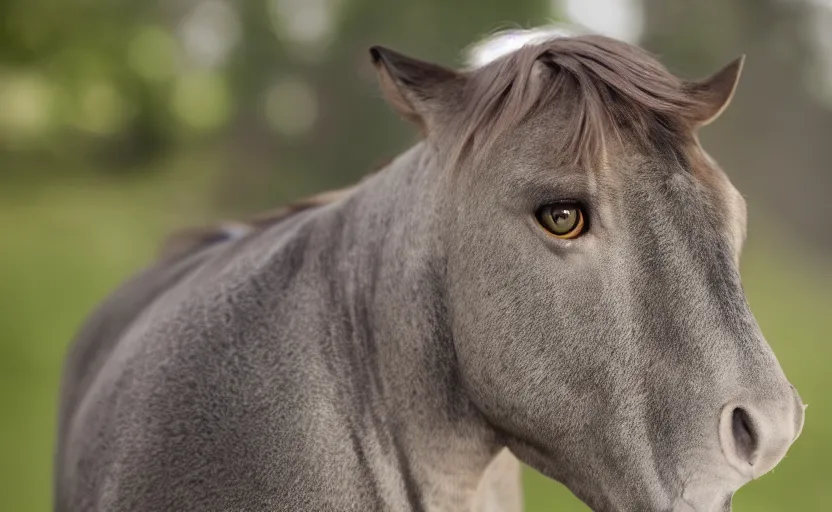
(351, 129)
(120, 83)
(67, 62)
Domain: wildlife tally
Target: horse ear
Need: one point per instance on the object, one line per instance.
(419, 91)
(714, 93)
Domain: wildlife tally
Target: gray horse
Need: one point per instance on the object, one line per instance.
(551, 274)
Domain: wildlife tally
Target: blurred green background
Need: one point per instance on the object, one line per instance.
(122, 120)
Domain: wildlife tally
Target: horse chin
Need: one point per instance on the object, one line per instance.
(715, 504)
(709, 490)
(712, 494)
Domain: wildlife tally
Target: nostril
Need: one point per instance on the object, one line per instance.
(745, 436)
(755, 435)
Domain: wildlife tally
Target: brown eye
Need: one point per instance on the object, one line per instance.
(564, 220)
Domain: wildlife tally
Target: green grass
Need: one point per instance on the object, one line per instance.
(64, 246)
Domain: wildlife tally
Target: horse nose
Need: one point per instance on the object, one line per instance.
(755, 435)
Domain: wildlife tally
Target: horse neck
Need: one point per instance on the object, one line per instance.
(393, 273)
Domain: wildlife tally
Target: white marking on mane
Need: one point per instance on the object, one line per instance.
(509, 41)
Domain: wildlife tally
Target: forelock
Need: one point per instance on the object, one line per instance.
(617, 88)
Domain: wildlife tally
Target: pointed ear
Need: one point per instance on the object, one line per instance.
(714, 94)
(419, 91)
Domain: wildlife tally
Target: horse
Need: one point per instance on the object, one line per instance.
(550, 275)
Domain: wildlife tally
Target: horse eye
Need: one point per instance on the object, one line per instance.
(564, 220)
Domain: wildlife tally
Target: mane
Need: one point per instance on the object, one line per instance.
(612, 88)
(190, 240)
